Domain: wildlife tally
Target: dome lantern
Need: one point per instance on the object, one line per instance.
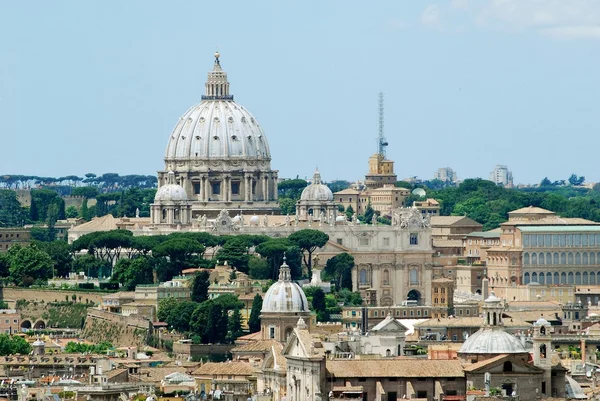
(217, 86)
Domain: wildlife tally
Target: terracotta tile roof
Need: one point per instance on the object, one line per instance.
(347, 389)
(114, 372)
(531, 210)
(255, 346)
(474, 366)
(347, 191)
(156, 374)
(104, 223)
(468, 322)
(250, 337)
(437, 221)
(225, 368)
(395, 368)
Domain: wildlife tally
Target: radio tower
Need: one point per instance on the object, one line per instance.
(381, 142)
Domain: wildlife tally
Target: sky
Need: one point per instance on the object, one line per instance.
(97, 86)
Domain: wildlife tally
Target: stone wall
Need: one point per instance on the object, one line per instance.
(116, 329)
(12, 294)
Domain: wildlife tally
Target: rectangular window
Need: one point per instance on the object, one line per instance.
(468, 310)
(271, 332)
(386, 242)
(339, 241)
(363, 242)
(216, 188)
(414, 239)
(235, 187)
(196, 187)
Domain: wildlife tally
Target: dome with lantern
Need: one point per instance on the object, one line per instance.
(285, 295)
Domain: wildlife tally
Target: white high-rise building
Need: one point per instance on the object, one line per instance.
(445, 174)
(501, 176)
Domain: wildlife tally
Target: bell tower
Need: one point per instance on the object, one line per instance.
(542, 352)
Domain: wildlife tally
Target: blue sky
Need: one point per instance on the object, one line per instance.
(97, 86)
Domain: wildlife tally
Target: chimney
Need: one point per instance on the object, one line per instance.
(583, 353)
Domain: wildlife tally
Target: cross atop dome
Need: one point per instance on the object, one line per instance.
(217, 86)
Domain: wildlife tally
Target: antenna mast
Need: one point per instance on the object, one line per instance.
(381, 142)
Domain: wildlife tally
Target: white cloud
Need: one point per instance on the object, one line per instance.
(566, 19)
(431, 16)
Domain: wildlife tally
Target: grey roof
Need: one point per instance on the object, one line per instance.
(492, 340)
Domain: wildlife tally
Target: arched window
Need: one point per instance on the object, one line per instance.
(570, 278)
(563, 258)
(164, 214)
(585, 278)
(556, 278)
(592, 278)
(526, 278)
(555, 258)
(534, 258)
(541, 259)
(578, 278)
(526, 258)
(548, 258)
(386, 277)
(577, 258)
(363, 276)
(507, 367)
(584, 258)
(542, 278)
(176, 215)
(543, 351)
(592, 258)
(534, 277)
(548, 278)
(563, 278)
(542, 330)
(570, 258)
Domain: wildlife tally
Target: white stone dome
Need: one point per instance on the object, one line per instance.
(217, 127)
(38, 343)
(492, 340)
(284, 295)
(170, 192)
(541, 322)
(340, 219)
(317, 191)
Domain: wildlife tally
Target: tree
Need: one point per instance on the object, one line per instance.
(91, 266)
(254, 320)
(258, 268)
(200, 286)
(71, 212)
(234, 326)
(369, 212)
(339, 269)
(308, 241)
(11, 345)
(29, 264)
(575, 180)
(166, 306)
(274, 250)
(60, 253)
(349, 212)
(132, 272)
(85, 211)
(235, 252)
(4, 265)
(178, 252)
(11, 213)
(319, 305)
(545, 182)
(216, 326)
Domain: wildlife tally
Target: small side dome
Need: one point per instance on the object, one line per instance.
(38, 343)
(317, 191)
(285, 295)
(492, 299)
(541, 322)
(340, 219)
(254, 220)
(171, 192)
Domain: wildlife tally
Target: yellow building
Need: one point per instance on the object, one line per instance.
(381, 172)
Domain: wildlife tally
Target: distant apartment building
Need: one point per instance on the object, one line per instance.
(501, 176)
(10, 321)
(429, 206)
(445, 174)
(14, 236)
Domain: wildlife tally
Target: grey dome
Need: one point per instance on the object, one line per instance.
(217, 127)
(285, 295)
(317, 191)
(492, 340)
(170, 192)
(541, 322)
